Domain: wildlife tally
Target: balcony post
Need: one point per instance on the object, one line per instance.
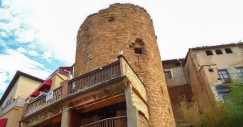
(65, 89)
(132, 113)
(24, 109)
(66, 114)
(122, 65)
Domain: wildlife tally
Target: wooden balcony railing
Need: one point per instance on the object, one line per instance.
(81, 83)
(85, 82)
(95, 78)
(120, 121)
(42, 102)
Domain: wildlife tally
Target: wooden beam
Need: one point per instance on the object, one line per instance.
(103, 103)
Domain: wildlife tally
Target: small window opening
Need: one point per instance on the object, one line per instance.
(228, 50)
(218, 52)
(210, 69)
(168, 74)
(138, 50)
(139, 41)
(208, 52)
(177, 64)
(111, 19)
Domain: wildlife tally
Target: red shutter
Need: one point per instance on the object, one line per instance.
(3, 122)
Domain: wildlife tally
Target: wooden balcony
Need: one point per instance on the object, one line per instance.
(42, 102)
(91, 81)
(78, 85)
(120, 121)
(94, 78)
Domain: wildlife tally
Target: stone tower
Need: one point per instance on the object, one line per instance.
(129, 29)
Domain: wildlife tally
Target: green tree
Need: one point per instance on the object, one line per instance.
(214, 115)
(234, 104)
(218, 114)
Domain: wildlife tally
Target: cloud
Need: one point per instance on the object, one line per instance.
(3, 34)
(27, 51)
(33, 53)
(26, 23)
(25, 36)
(29, 42)
(21, 50)
(12, 61)
(3, 78)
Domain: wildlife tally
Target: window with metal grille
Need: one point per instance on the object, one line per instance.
(224, 76)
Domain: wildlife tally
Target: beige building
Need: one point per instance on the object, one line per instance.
(175, 72)
(212, 67)
(13, 99)
(178, 84)
(207, 70)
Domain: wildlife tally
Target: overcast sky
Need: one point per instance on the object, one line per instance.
(37, 36)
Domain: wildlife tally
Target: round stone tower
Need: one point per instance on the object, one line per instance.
(127, 28)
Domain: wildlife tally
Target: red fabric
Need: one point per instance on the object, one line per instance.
(35, 93)
(64, 70)
(3, 122)
(45, 86)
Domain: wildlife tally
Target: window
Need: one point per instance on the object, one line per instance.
(221, 91)
(224, 76)
(168, 74)
(218, 52)
(208, 52)
(177, 64)
(111, 19)
(228, 50)
(138, 50)
(210, 69)
(240, 72)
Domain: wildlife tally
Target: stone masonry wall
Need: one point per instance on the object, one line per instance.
(142, 121)
(179, 94)
(178, 76)
(126, 27)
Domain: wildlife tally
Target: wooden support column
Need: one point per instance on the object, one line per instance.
(66, 113)
(132, 113)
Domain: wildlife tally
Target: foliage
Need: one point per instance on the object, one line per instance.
(228, 114)
(209, 116)
(234, 104)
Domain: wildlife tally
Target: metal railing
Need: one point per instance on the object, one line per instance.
(120, 121)
(94, 78)
(42, 102)
(16, 103)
